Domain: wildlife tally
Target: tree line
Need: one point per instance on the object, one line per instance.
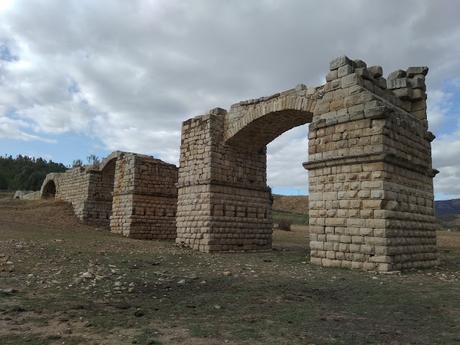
(25, 173)
(28, 173)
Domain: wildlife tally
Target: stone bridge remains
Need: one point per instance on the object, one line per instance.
(369, 162)
(135, 195)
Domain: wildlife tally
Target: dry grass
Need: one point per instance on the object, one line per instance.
(149, 292)
(448, 239)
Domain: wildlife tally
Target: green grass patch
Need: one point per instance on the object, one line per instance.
(294, 218)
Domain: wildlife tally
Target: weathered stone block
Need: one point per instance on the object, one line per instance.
(375, 71)
(412, 71)
(339, 62)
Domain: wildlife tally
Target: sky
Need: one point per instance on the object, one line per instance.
(81, 77)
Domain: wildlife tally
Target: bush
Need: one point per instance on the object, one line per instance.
(284, 224)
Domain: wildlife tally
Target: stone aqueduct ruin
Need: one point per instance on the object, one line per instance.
(369, 163)
(134, 195)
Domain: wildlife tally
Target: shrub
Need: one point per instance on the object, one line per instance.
(284, 224)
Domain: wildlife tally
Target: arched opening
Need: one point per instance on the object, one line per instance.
(288, 180)
(261, 131)
(49, 190)
(252, 148)
(223, 172)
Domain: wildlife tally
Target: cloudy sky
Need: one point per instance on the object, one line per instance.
(81, 77)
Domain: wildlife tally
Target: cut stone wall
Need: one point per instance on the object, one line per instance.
(221, 189)
(27, 195)
(71, 186)
(224, 203)
(371, 188)
(134, 195)
(370, 174)
(145, 198)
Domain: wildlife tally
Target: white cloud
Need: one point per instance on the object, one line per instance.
(285, 156)
(446, 158)
(128, 72)
(11, 129)
(439, 105)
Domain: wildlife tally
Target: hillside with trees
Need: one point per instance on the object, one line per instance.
(25, 173)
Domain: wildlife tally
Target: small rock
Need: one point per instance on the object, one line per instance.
(181, 282)
(77, 280)
(139, 313)
(67, 331)
(227, 273)
(87, 275)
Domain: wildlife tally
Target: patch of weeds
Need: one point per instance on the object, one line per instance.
(294, 218)
(147, 337)
(22, 339)
(203, 330)
(247, 332)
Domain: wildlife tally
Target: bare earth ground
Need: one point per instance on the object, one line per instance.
(65, 283)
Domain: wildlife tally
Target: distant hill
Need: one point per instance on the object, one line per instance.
(291, 203)
(447, 207)
(448, 213)
(25, 173)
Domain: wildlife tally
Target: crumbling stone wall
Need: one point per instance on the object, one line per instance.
(134, 195)
(371, 188)
(100, 192)
(71, 186)
(145, 198)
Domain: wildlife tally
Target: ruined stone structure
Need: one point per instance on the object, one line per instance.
(133, 194)
(370, 172)
(144, 198)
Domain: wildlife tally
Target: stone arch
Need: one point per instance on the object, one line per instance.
(254, 124)
(369, 162)
(223, 173)
(49, 190)
(109, 160)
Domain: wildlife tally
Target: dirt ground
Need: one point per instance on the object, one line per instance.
(65, 283)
